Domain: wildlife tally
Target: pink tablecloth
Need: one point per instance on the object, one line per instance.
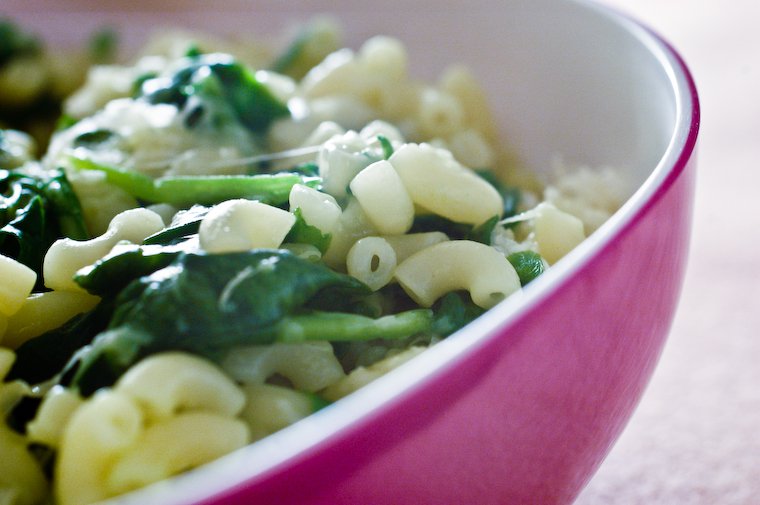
(695, 438)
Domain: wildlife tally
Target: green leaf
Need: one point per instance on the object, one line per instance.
(204, 304)
(210, 77)
(528, 265)
(452, 312)
(304, 233)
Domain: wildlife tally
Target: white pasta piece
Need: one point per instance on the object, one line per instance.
(352, 225)
(361, 376)
(454, 265)
(167, 383)
(322, 133)
(309, 366)
(22, 481)
(57, 407)
(270, 408)
(100, 201)
(42, 312)
(383, 55)
(317, 208)
(437, 182)
(97, 435)
(338, 73)
(174, 445)
(372, 260)
(339, 161)
(406, 245)
(66, 256)
(556, 232)
(349, 111)
(459, 82)
(471, 149)
(439, 114)
(384, 199)
(241, 225)
(304, 251)
(165, 210)
(17, 283)
(377, 128)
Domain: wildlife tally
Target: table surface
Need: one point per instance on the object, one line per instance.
(695, 438)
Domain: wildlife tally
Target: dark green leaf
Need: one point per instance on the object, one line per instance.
(207, 303)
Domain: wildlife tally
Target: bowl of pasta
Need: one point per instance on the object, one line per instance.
(325, 255)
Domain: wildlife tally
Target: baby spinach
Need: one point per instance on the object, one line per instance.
(15, 42)
(304, 233)
(214, 77)
(34, 212)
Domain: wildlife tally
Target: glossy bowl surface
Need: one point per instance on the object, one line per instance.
(522, 405)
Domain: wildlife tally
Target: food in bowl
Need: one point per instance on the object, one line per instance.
(206, 253)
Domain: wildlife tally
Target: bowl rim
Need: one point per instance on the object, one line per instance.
(301, 440)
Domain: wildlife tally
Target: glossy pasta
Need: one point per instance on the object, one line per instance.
(235, 248)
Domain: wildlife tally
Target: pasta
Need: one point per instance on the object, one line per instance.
(66, 256)
(458, 264)
(208, 252)
(18, 281)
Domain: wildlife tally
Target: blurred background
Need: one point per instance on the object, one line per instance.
(695, 438)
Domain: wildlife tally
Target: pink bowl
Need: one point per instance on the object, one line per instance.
(522, 405)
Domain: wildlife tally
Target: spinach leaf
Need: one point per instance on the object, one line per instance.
(184, 224)
(309, 47)
(205, 303)
(45, 356)
(452, 312)
(214, 77)
(34, 212)
(112, 273)
(304, 233)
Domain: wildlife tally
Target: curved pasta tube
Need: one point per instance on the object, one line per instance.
(339, 161)
(98, 433)
(174, 445)
(167, 383)
(21, 478)
(385, 201)
(66, 256)
(372, 260)
(43, 312)
(556, 232)
(439, 114)
(458, 264)
(241, 225)
(55, 411)
(270, 408)
(352, 225)
(361, 376)
(310, 366)
(437, 182)
(406, 245)
(17, 283)
(317, 208)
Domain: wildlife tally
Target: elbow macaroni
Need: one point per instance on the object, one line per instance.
(241, 225)
(458, 264)
(66, 256)
(437, 182)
